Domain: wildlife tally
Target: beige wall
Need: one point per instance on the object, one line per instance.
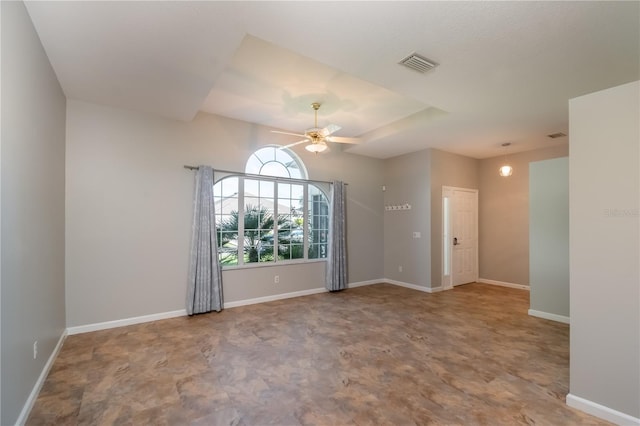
(129, 208)
(605, 249)
(549, 238)
(504, 216)
(417, 179)
(447, 170)
(406, 179)
(32, 197)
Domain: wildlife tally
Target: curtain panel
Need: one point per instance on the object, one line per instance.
(337, 256)
(204, 287)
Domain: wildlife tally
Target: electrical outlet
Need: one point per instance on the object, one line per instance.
(417, 234)
(400, 268)
(35, 349)
(276, 279)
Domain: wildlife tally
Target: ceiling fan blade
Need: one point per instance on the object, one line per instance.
(339, 139)
(330, 129)
(295, 143)
(288, 133)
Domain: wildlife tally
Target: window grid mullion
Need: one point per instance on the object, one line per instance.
(306, 220)
(275, 222)
(241, 221)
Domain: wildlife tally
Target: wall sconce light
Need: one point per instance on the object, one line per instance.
(506, 170)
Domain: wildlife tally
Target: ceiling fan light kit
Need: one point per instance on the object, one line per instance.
(316, 147)
(318, 137)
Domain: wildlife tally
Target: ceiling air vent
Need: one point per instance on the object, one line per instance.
(417, 63)
(556, 135)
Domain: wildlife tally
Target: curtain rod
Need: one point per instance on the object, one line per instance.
(264, 177)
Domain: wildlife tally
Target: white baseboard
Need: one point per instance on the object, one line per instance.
(412, 286)
(601, 411)
(274, 297)
(26, 409)
(182, 312)
(549, 316)
(124, 322)
(363, 283)
(503, 284)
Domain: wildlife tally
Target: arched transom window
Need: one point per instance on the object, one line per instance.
(275, 161)
(283, 218)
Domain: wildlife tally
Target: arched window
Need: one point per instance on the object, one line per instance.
(275, 161)
(283, 218)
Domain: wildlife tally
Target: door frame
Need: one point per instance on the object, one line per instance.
(446, 236)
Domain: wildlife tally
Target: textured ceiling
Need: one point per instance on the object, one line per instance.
(506, 69)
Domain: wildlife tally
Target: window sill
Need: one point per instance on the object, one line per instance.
(272, 264)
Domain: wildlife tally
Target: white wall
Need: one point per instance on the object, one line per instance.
(129, 210)
(605, 249)
(32, 196)
(549, 238)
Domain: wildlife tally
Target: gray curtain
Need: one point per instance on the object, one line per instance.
(204, 289)
(337, 256)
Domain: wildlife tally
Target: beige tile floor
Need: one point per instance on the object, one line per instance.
(374, 355)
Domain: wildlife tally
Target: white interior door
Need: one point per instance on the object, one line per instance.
(463, 234)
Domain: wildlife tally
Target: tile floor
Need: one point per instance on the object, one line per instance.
(374, 355)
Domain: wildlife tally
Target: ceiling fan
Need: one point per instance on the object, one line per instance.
(318, 137)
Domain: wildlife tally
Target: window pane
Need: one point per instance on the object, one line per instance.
(294, 170)
(226, 203)
(284, 157)
(227, 221)
(226, 206)
(258, 222)
(284, 190)
(313, 251)
(284, 206)
(318, 223)
(266, 154)
(229, 186)
(297, 251)
(273, 168)
(228, 258)
(253, 165)
(251, 246)
(266, 189)
(297, 192)
(251, 187)
(317, 251)
(265, 253)
(251, 202)
(284, 226)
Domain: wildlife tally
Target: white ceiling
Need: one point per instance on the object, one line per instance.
(506, 69)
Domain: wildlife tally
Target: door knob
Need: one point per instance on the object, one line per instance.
(455, 241)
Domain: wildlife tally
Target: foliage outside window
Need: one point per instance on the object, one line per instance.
(282, 220)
